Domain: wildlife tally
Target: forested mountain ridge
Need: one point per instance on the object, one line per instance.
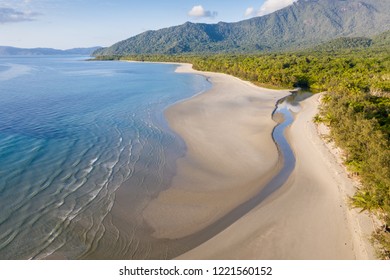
(383, 39)
(354, 43)
(303, 24)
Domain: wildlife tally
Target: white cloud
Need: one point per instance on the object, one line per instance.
(250, 12)
(12, 15)
(17, 11)
(15, 3)
(271, 6)
(200, 12)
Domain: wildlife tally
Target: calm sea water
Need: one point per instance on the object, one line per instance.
(72, 133)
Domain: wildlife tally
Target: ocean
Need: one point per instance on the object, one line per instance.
(72, 134)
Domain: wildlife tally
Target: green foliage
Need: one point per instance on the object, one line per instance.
(318, 119)
(381, 238)
(382, 39)
(358, 70)
(345, 43)
(360, 126)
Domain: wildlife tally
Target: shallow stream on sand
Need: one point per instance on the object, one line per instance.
(284, 115)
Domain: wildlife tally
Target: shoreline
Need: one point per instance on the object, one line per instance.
(307, 218)
(237, 114)
(230, 157)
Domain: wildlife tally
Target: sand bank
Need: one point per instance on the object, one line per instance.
(307, 218)
(230, 155)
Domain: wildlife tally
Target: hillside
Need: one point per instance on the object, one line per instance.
(305, 23)
(382, 39)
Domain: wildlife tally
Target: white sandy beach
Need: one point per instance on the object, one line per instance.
(231, 155)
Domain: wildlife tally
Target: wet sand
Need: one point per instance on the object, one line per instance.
(307, 218)
(230, 155)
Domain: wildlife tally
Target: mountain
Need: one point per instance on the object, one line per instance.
(305, 23)
(6, 51)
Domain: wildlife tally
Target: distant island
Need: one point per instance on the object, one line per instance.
(7, 51)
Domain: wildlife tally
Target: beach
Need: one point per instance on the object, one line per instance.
(184, 167)
(231, 156)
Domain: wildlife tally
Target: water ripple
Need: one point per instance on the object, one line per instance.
(71, 134)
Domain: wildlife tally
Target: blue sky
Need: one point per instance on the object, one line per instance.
(83, 23)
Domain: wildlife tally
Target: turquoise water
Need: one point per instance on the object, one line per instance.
(72, 133)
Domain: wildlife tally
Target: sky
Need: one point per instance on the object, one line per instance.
(65, 24)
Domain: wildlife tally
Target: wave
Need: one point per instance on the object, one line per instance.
(13, 71)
